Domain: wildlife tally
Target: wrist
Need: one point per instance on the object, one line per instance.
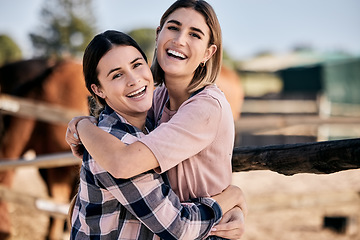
(237, 196)
(242, 202)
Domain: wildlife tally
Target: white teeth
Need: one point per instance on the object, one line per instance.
(177, 54)
(136, 92)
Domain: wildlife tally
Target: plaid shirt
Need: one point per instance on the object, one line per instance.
(136, 208)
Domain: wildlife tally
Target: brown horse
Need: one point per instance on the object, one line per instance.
(61, 84)
(230, 83)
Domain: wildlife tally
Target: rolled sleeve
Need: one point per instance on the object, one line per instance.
(186, 134)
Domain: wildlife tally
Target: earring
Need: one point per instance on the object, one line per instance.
(202, 64)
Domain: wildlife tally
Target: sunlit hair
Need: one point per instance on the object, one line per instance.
(207, 74)
(97, 48)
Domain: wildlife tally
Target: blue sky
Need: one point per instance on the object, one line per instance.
(249, 26)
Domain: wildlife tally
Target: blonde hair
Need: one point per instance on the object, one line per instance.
(203, 75)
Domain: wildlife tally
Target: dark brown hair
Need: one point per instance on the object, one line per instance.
(97, 48)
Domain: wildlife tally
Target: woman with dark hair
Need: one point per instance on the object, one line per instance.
(194, 137)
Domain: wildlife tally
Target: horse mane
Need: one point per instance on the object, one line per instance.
(18, 78)
(21, 78)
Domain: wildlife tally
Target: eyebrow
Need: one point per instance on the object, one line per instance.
(116, 69)
(192, 28)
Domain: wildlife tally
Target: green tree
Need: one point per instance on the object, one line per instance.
(145, 37)
(9, 50)
(66, 28)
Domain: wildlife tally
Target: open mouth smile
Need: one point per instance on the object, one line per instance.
(175, 54)
(138, 93)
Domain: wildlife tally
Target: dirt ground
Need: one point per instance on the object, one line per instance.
(294, 207)
(280, 207)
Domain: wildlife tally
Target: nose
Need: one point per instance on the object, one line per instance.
(179, 39)
(133, 79)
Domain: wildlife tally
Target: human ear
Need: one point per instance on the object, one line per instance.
(157, 33)
(97, 90)
(210, 51)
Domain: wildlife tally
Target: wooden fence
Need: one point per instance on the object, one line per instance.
(30, 108)
(289, 159)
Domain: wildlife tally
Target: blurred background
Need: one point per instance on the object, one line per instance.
(249, 28)
(293, 48)
(297, 79)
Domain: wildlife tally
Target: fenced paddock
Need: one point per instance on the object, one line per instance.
(298, 201)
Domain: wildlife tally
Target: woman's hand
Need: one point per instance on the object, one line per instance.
(72, 135)
(232, 202)
(231, 226)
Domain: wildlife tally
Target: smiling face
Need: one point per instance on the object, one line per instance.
(183, 43)
(126, 82)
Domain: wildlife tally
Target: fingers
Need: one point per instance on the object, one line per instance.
(231, 226)
(75, 144)
(231, 234)
(72, 135)
(72, 124)
(228, 226)
(230, 230)
(78, 151)
(234, 221)
(72, 138)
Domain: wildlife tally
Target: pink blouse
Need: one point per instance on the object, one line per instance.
(194, 144)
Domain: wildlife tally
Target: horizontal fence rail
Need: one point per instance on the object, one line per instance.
(288, 159)
(23, 107)
(42, 161)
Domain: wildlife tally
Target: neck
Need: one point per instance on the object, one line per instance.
(136, 120)
(177, 91)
